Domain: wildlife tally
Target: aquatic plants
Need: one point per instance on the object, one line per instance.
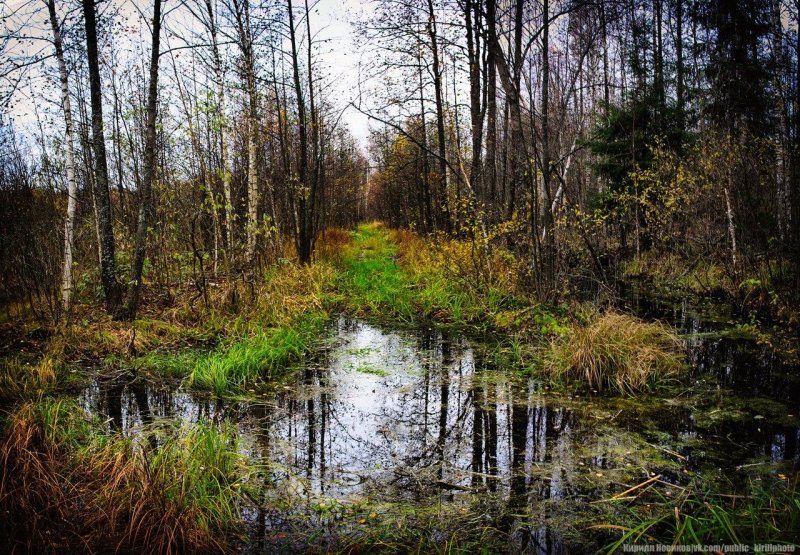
(767, 513)
(615, 351)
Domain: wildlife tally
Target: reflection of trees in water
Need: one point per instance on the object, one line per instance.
(441, 423)
(130, 403)
(124, 399)
(438, 419)
(742, 364)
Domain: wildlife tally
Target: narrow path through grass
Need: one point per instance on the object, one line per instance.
(371, 280)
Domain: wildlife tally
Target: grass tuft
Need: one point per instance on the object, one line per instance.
(615, 351)
(22, 379)
(769, 513)
(264, 356)
(64, 485)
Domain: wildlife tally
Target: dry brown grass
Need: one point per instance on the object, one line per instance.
(616, 351)
(294, 289)
(56, 500)
(469, 262)
(331, 243)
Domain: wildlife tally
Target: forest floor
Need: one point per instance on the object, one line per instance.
(167, 410)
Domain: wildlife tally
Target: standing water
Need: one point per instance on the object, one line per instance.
(399, 419)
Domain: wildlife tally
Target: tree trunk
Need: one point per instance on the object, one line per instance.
(223, 137)
(426, 185)
(317, 173)
(606, 84)
(659, 55)
(102, 197)
(679, 86)
(303, 240)
(245, 39)
(490, 170)
(731, 232)
(72, 186)
(440, 131)
(150, 161)
(547, 217)
(475, 109)
(794, 191)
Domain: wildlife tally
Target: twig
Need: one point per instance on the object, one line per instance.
(634, 488)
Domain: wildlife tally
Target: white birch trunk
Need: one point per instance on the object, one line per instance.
(72, 186)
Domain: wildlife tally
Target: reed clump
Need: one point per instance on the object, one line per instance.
(615, 352)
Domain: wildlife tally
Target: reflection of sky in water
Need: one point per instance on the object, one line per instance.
(407, 414)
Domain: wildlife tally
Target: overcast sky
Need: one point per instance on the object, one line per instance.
(332, 23)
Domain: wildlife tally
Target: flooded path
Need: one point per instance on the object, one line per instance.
(387, 418)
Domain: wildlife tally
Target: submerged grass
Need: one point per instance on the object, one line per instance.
(615, 351)
(64, 484)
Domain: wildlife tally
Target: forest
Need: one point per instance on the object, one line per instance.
(430, 276)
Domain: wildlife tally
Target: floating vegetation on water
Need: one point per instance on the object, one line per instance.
(370, 369)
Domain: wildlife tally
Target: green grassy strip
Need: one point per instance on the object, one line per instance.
(373, 282)
(263, 356)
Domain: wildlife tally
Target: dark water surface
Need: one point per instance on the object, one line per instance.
(417, 417)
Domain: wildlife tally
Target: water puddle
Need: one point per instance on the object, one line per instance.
(416, 416)
(717, 346)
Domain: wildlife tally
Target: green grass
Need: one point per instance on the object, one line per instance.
(768, 513)
(265, 355)
(178, 364)
(377, 282)
(21, 378)
(370, 369)
(66, 482)
(371, 279)
(201, 469)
